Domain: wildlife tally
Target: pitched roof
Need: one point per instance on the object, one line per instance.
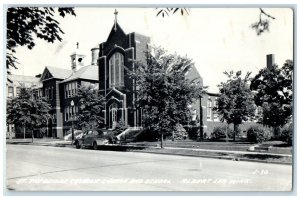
(21, 80)
(89, 72)
(59, 72)
(118, 31)
(193, 75)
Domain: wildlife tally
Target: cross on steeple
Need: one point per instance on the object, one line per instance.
(77, 44)
(116, 19)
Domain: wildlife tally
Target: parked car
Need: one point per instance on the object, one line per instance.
(77, 134)
(91, 139)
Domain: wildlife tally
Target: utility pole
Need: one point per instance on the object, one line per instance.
(201, 117)
(72, 105)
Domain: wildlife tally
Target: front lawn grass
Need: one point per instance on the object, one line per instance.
(277, 147)
(220, 155)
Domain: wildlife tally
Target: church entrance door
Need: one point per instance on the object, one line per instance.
(113, 112)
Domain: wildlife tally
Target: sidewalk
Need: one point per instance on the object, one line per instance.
(39, 141)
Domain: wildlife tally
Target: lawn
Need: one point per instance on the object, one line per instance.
(282, 159)
(277, 147)
(221, 155)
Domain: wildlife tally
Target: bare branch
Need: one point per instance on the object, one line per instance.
(263, 12)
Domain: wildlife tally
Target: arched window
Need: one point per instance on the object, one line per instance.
(116, 70)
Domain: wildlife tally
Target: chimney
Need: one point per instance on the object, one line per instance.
(95, 54)
(270, 60)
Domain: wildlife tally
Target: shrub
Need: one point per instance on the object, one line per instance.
(286, 134)
(258, 134)
(179, 133)
(193, 132)
(220, 132)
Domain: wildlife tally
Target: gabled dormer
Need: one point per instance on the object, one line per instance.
(55, 73)
(46, 75)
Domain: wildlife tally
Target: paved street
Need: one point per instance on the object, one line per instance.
(40, 168)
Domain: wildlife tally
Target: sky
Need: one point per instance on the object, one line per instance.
(216, 39)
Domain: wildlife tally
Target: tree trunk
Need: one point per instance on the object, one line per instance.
(276, 132)
(161, 139)
(235, 129)
(227, 133)
(173, 138)
(24, 130)
(32, 135)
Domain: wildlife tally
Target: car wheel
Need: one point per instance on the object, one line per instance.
(95, 146)
(77, 145)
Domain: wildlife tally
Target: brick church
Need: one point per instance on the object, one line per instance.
(118, 52)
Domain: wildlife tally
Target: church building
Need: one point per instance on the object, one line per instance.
(116, 58)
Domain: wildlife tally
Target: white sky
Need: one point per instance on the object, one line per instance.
(217, 39)
(247, 52)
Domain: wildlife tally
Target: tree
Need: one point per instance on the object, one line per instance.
(235, 103)
(274, 93)
(163, 91)
(90, 103)
(26, 23)
(166, 11)
(26, 111)
(262, 24)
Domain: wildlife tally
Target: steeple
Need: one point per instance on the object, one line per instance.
(116, 19)
(116, 30)
(77, 58)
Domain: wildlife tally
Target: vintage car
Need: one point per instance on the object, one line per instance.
(77, 134)
(91, 139)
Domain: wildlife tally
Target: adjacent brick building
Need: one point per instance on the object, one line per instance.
(13, 85)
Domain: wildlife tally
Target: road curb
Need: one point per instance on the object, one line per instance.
(39, 144)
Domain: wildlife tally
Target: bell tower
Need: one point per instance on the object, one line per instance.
(77, 59)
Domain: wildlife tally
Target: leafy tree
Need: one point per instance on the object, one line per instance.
(166, 11)
(274, 93)
(90, 104)
(26, 111)
(163, 91)
(26, 23)
(235, 103)
(263, 23)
